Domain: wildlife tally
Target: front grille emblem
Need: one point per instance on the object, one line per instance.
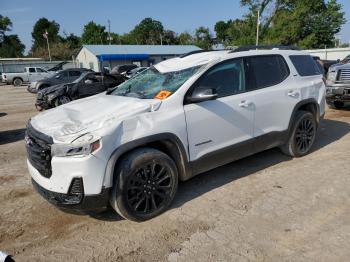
(28, 141)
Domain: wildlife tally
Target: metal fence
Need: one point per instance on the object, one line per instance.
(19, 66)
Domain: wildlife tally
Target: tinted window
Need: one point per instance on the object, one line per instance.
(31, 70)
(305, 65)
(39, 70)
(267, 70)
(74, 73)
(227, 78)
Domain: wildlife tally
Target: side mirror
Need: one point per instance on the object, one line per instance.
(201, 94)
(88, 81)
(58, 76)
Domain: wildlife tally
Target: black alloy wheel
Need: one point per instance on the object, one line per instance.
(149, 188)
(305, 135)
(145, 184)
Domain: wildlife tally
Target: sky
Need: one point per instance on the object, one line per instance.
(178, 15)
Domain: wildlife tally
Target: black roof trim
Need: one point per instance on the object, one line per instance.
(202, 51)
(264, 47)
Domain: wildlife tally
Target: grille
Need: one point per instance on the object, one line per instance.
(38, 147)
(344, 75)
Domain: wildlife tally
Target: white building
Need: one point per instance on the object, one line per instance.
(96, 57)
(330, 54)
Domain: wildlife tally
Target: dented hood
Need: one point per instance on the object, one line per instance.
(67, 122)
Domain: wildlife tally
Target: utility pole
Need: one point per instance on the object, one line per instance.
(161, 39)
(46, 35)
(109, 32)
(257, 29)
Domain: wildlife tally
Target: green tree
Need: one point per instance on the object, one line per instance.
(221, 30)
(308, 24)
(203, 38)
(11, 46)
(170, 38)
(94, 34)
(148, 32)
(74, 42)
(41, 26)
(5, 26)
(186, 38)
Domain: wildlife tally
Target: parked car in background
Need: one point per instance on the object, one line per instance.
(135, 72)
(338, 86)
(129, 147)
(123, 69)
(61, 77)
(88, 84)
(30, 74)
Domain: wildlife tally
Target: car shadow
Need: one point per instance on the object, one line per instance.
(11, 136)
(3, 114)
(329, 131)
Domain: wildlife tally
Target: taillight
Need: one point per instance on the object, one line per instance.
(4, 76)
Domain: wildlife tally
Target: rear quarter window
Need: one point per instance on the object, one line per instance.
(305, 65)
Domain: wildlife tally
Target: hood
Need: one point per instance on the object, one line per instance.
(339, 66)
(52, 89)
(69, 121)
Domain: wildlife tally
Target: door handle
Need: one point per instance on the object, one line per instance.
(293, 93)
(244, 104)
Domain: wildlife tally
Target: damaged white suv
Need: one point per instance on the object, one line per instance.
(129, 147)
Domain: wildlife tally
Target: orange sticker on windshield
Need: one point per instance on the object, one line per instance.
(163, 94)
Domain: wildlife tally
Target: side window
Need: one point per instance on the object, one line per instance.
(74, 73)
(40, 70)
(305, 65)
(227, 78)
(267, 70)
(31, 70)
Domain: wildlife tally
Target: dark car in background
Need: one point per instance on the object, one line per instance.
(122, 69)
(88, 84)
(61, 77)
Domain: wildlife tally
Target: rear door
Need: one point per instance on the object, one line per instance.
(276, 94)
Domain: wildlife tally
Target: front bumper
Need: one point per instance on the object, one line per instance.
(76, 201)
(31, 89)
(339, 93)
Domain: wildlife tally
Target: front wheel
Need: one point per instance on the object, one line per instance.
(145, 184)
(61, 100)
(302, 136)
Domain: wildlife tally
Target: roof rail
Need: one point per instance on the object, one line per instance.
(264, 47)
(202, 51)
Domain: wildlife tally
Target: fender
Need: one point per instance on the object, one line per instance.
(300, 105)
(174, 148)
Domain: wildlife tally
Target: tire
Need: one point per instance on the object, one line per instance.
(302, 136)
(61, 100)
(17, 82)
(42, 87)
(338, 104)
(139, 193)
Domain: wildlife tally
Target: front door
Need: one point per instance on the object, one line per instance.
(218, 127)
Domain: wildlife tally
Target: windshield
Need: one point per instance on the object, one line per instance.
(151, 83)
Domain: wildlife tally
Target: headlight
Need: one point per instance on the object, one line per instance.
(331, 77)
(82, 146)
(50, 97)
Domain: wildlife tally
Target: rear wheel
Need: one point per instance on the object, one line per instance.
(303, 135)
(145, 184)
(61, 100)
(17, 82)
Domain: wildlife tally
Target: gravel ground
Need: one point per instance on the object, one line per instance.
(267, 207)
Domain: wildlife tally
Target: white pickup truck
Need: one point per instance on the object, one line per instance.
(29, 75)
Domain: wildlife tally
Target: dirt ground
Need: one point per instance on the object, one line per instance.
(267, 207)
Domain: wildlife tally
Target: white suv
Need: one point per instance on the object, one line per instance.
(130, 146)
